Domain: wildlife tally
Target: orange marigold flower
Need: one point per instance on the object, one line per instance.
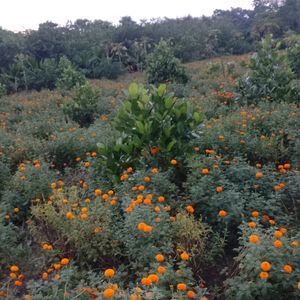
(278, 234)
(108, 293)
(161, 270)
(190, 209)
(104, 197)
(283, 230)
(56, 266)
(141, 226)
(21, 277)
(147, 179)
(70, 216)
(153, 277)
(287, 268)
(298, 285)
(86, 164)
(45, 276)
(161, 199)
(222, 213)
(13, 275)
(146, 281)
(157, 209)
(18, 283)
(148, 228)
(64, 261)
(181, 286)
(27, 297)
(154, 170)
(259, 175)
(265, 266)
(147, 201)
(219, 189)
(184, 256)
(277, 244)
(264, 275)
(14, 268)
(252, 224)
(84, 216)
(109, 273)
(253, 239)
(191, 294)
(205, 171)
(173, 162)
(159, 258)
(98, 192)
(255, 214)
(295, 244)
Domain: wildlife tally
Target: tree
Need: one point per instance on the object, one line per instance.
(163, 66)
(270, 77)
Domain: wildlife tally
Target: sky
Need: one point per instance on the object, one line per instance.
(19, 15)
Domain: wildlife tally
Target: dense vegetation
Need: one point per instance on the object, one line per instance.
(178, 181)
(99, 49)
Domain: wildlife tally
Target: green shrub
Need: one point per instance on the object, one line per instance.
(108, 69)
(69, 76)
(293, 53)
(153, 126)
(97, 228)
(241, 190)
(83, 108)
(270, 76)
(266, 133)
(163, 66)
(29, 183)
(280, 283)
(3, 90)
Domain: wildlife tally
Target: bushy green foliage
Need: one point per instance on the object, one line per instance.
(263, 134)
(148, 122)
(2, 89)
(241, 189)
(98, 228)
(29, 184)
(181, 189)
(293, 53)
(108, 69)
(281, 283)
(83, 107)
(69, 76)
(270, 77)
(163, 66)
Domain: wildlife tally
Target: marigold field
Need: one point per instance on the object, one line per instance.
(180, 191)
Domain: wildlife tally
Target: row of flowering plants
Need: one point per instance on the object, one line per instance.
(154, 205)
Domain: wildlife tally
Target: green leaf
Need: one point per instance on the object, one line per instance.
(197, 117)
(161, 89)
(170, 145)
(133, 90)
(140, 127)
(168, 103)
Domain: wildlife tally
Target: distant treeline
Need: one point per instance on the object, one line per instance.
(101, 49)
